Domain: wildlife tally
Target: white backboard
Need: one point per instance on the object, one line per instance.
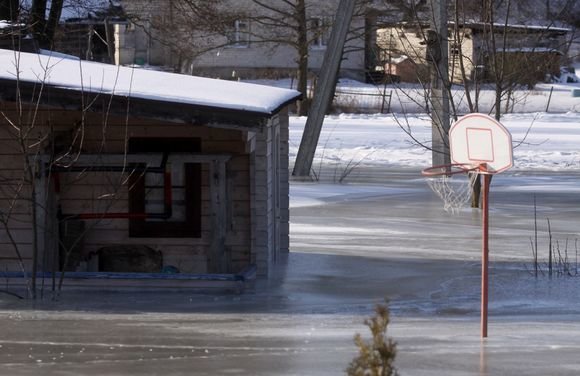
(478, 138)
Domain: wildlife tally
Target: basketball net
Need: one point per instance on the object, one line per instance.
(453, 184)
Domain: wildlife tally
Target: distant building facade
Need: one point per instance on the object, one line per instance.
(241, 48)
(540, 50)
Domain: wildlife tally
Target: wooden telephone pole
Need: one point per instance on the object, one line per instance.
(438, 54)
(324, 89)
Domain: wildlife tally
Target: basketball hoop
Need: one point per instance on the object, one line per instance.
(478, 144)
(453, 183)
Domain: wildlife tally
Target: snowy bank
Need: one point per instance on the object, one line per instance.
(542, 141)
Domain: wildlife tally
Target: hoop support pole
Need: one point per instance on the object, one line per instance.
(485, 254)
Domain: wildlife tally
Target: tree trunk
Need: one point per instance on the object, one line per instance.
(53, 21)
(38, 20)
(9, 10)
(42, 27)
(303, 84)
(302, 57)
(438, 54)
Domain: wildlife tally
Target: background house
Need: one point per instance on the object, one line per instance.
(403, 69)
(194, 171)
(537, 49)
(87, 38)
(161, 34)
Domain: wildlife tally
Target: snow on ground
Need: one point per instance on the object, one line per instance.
(542, 141)
(411, 98)
(355, 96)
(348, 142)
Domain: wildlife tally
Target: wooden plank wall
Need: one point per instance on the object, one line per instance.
(261, 193)
(270, 234)
(284, 175)
(96, 192)
(15, 195)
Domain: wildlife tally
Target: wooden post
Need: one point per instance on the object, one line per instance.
(45, 249)
(89, 54)
(218, 262)
(109, 35)
(38, 212)
(51, 233)
(438, 54)
(324, 89)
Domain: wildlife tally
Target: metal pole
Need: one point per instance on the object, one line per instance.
(485, 254)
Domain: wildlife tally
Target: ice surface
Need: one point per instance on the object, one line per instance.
(352, 247)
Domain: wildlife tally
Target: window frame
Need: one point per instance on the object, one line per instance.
(191, 226)
(237, 36)
(320, 30)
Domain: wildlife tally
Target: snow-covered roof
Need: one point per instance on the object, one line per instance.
(530, 27)
(72, 74)
(530, 50)
(533, 27)
(4, 24)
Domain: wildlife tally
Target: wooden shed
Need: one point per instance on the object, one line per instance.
(108, 169)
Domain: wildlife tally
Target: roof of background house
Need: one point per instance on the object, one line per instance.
(529, 28)
(532, 27)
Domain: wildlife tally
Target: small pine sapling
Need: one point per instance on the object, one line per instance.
(375, 358)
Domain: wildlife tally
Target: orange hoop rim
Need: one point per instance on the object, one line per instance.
(450, 169)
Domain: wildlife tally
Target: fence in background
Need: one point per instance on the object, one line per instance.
(353, 100)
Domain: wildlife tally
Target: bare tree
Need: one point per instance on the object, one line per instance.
(36, 146)
(44, 26)
(409, 9)
(192, 28)
(43, 17)
(488, 45)
(9, 10)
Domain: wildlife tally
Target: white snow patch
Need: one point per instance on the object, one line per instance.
(541, 141)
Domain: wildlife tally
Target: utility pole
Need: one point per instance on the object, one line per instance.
(438, 54)
(324, 89)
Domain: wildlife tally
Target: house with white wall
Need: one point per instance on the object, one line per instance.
(242, 47)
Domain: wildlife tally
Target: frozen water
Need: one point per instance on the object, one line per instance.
(352, 247)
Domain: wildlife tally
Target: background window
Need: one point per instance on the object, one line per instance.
(320, 29)
(239, 35)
